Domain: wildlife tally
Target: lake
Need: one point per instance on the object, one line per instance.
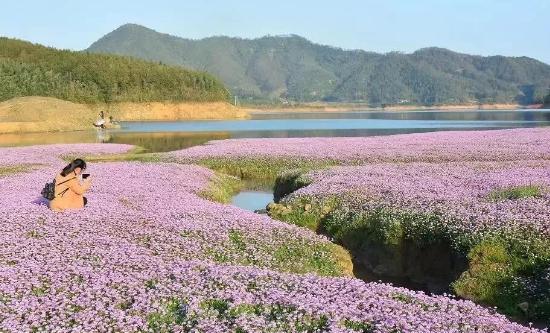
(160, 136)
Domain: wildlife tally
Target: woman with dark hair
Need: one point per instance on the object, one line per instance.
(70, 187)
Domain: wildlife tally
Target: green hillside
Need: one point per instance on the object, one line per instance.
(33, 70)
(293, 68)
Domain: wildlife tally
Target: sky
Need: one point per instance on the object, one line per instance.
(483, 27)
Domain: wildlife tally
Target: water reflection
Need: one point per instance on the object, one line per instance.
(27, 139)
(153, 142)
(166, 141)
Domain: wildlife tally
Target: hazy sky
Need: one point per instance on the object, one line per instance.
(486, 27)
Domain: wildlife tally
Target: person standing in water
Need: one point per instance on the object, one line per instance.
(70, 187)
(101, 121)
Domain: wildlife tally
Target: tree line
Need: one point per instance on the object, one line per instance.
(28, 69)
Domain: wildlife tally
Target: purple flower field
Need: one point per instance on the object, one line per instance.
(50, 154)
(149, 254)
(514, 144)
(462, 192)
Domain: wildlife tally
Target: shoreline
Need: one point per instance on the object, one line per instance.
(396, 108)
(46, 114)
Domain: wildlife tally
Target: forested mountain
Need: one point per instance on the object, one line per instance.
(33, 70)
(292, 68)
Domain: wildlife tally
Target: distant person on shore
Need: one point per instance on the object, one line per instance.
(101, 121)
(70, 186)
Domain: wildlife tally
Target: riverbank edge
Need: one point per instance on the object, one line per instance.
(315, 107)
(391, 245)
(46, 114)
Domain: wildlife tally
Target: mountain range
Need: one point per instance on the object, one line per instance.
(291, 68)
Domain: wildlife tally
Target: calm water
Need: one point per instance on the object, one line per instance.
(252, 200)
(160, 136)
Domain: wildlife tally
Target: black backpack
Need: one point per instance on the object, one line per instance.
(48, 192)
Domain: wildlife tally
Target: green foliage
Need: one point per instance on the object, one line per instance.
(288, 182)
(509, 271)
(359, 326)
(296, 215)
(222, 188)
(501, 273)
(279, 68)
(32, 70)
(304, 258)
(237, 238)
(294, 256)
(33, 234)
(219, 305)
(514, 193)
(358, 228)
(173, 311)
(263, 172)
(285, 318)
(14, 169)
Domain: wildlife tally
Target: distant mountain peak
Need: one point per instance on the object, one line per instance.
(133, 26)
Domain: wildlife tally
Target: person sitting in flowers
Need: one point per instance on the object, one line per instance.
(70, 187)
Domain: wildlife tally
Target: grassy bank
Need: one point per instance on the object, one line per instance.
(327, 259)
(507, 270)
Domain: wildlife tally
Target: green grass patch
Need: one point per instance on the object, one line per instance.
(137, 153)
(303, 211)
(301, 258)
(218, 305)
(515, 193)
(237, 239)
(259, 169)
(285, 318)
(291, 255)
(222, 188)
(359, 326)
(173, 312)
(290, 181)
(510, 276)
(15, 169)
